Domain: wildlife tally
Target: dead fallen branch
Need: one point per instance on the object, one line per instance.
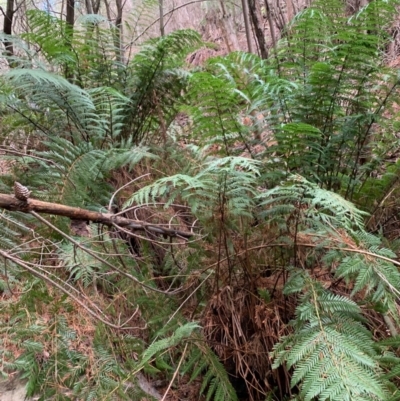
(9, 202)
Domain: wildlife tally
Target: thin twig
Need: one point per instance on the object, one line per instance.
(175, 373)
(36, 273)
(124, 186)
(169, 12)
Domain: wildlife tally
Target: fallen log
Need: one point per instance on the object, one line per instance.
(10, 202)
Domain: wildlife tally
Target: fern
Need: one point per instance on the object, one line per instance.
(110, 105)
(378, 278)
(323, 208)
(215, 111)
(332, 353)
(318, 108)
(216, 384)
(166, 343)
(81, 266)
(69, 104)
(48, 34)
(279, 226)
(140, 21)
(66, 178)
(335, 96)
(229, 179)
(93, 40)
(98, 53)
(220, 388)
(156, 83)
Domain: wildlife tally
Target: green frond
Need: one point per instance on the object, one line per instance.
(23, 54)
(100, 60)
(324, 207)
(216, 383)
(140, 21)
(75, 176)
(14, 226)
(127, 155)
(333, 355)
(328, 78)
(48, 34)
(156, 81)
(230, 178)
(374, 275)
(215, 110)
(283, 229)
(301, 138)
(180, 333)
(68, 103)
(80, 265)
(110, 106)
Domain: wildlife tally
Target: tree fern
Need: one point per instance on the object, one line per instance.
(273, 227)
(329, 335)
(318, 108)
(335, 96)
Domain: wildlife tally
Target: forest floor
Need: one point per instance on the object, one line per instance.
(12, 390)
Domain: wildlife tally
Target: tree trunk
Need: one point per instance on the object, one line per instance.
(69, 32)
(270, 23)
(118, 32)
(70, 13)
(258, 28)
(227, 29)
(7, 29)
(247, 25)
(89, 7)
(290, 10)
(161, 7)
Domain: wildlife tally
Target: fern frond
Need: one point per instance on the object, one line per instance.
(215, 110)
(48, 34)
(71, 174)
(100, 61)
(155, 83)
(202, 359)
(67, 102)
(380, 278)
(110, 105)
(324, 207)
(169, 342)
(333, 355)
(232, 178)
